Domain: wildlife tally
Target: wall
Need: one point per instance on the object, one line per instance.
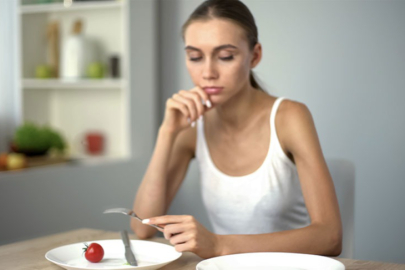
(346, 61)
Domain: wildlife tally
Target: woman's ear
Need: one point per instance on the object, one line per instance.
(257, 55)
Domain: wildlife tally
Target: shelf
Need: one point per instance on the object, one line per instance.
(72, 84)
(85, 160)
(40, 161)
(60, 7)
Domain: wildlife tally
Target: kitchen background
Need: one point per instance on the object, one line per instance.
(344, 59)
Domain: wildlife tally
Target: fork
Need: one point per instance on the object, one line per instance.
(129, 212)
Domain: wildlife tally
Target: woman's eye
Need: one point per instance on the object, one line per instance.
(195, 59)
(228, 58)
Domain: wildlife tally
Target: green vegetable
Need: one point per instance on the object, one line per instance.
(31, 137)
(55, 139)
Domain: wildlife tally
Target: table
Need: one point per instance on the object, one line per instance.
(34, 252)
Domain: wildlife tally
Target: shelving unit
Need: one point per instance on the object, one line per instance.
(85, 105)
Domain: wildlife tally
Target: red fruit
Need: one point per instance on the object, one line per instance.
(94, 252)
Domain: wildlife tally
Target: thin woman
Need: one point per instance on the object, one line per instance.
(264, 180)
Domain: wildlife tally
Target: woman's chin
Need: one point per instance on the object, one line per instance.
(216, 100)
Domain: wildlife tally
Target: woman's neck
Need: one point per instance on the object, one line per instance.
(236, 113)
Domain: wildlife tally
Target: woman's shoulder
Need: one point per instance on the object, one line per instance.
(293, 120)
(291, 110)
(288, 109)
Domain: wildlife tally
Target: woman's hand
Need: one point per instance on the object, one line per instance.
(184, 108)
(187, 234)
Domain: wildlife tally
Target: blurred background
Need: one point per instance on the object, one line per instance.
(83, 86)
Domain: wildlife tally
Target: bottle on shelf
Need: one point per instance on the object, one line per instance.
(76, 54)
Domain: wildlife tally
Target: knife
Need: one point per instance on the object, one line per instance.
(128, 252)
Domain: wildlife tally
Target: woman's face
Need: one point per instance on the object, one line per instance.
(218, 58)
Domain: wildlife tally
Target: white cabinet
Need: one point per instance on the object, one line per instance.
(84, 105)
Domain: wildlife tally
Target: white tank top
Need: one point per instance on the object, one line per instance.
(268, 200)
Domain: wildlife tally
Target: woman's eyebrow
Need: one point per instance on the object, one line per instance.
(225, 46)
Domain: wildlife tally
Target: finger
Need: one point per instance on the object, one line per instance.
(168, 219)
(189, 103)
(160, 227)
(197, 101)
(180, 238)
(173, 229)
(183, 247)
(174, 104)
(204, 96)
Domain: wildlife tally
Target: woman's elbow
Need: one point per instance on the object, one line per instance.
(335, 243)
(142, 232)
(143, 235)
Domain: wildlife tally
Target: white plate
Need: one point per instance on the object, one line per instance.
(150, 255)
(270, 261)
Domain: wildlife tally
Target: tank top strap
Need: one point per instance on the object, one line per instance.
(273, 132)
(273, 114)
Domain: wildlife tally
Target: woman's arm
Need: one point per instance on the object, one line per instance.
(172, 154)
(298, 136)
(314, 239)
(165, 173)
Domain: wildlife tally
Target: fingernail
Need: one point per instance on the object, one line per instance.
(188, 120)
(209, 104)
(145, 221)
(203, 101)
(200, 117)
(193, 124)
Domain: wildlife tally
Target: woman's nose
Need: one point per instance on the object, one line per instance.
(209, 72)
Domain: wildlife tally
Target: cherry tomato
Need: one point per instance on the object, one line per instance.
(94, 252)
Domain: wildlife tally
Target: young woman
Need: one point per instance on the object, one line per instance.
(264, 180)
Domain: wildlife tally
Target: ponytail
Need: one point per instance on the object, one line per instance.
(254, 82)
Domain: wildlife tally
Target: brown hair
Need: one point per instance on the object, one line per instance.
(233, 10)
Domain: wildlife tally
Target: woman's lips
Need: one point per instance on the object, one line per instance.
(212, 90)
